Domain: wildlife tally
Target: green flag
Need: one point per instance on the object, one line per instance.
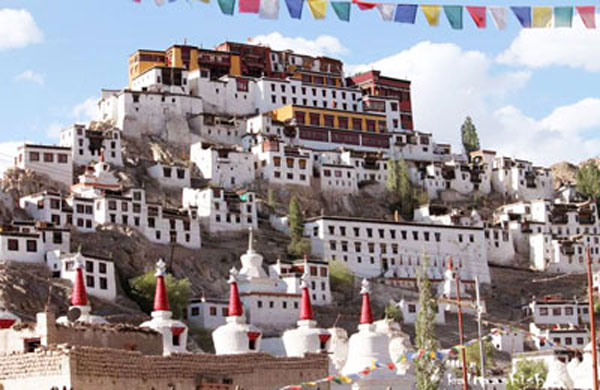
(342, 10)
(454, 15)
(563, 16)
(227, 6)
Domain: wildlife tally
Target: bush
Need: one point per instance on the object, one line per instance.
(472, 354)
(299, 248)
(529, 374)
(142, 292)
(340, 277)
(393, 311)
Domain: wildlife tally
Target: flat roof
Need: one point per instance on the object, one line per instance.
(385, 222)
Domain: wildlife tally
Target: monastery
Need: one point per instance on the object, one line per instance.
(184, 156)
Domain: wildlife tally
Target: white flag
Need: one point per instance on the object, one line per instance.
(269, 9)
(499, 16)
(159, 2)
(386, 10)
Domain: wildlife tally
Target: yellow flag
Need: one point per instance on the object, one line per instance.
(343, 378)
(318, 8)
(542, 17)
(432, 14)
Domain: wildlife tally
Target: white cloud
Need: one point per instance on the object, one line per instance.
(572, 47)
(323, 45)
(562, 135)
(448, 84)
(8, 151)
(31, 76)
(18, 29)
(86, 110)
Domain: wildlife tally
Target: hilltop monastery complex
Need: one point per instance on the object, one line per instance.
(244, 114)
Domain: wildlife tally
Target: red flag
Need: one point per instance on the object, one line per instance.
(249, 6)
(588, 15)
(364, 5)
(478, 14)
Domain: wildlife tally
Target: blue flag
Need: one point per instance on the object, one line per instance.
(295, 8)
(523, 14)
(406, 13)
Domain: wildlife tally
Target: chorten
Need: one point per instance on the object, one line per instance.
(236, 336)
(174, 332)
(80, 309)
(306, 338)
(368, 346)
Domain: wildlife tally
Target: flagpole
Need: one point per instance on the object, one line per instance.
(591, 315)
(481, 349)
(463, 355)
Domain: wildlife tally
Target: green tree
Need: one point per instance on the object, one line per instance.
(393, 311)
(398, 184)
(340, 277)
(271, 200)
(298, 245)
(472, 355)
(429, 371)
(588, 180)
(470, 139)
(142, 292)
(529, 374)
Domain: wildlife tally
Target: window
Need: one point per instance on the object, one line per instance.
(259, 304)
(412, 308)
(103, 284)
(31, 246)
(343, 122)
(356, 124)
(102, 268)
(13, 244)
(34, 156)
(557, 311)
(543, 311)
(212, 311)
(328, 120)
(48, 157)
(314, 119)
(89, 281)
(63, 158)
(167, 172)
(57, 238)
(195, 312)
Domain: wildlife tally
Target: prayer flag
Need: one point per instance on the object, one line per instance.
(588, 15)
(159, 2)
(137, 1)
(432, 14)
(386, 10)
(391, 366)
(406, 13)
(563, 16)
(227, 6)
(499, 17)
(542, 17)
(318, 8)
(269, 9)
(295, 8)
(248, 6)
(478, 14)
(454, 16)
(342, 10)
(343, 378)
(364, 5)
(523, 15)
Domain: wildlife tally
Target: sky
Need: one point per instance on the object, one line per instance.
(532, 93)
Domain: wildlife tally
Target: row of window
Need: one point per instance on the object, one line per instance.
(558, 311)
(61, 158)
(340, 122)
(303, 90)
(404, 234)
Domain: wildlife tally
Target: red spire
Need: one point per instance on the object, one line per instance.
(235, 305)
(161, 299)
(79, 297)
(306, 312)
(366, 314)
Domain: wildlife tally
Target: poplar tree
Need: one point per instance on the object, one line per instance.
(470, 139)
(588, 180)
(429, 371)
(398, 184)
(298, 246)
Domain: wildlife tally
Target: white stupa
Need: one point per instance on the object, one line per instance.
(306, 338)
(236, 336)
(80, 309)
(581, 374)
(558, 376)
(174, 332)
(368, 346)
(95, 179)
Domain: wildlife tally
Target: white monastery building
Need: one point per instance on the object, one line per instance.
(55, 162)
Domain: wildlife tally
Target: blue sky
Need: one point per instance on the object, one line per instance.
(533, 94)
